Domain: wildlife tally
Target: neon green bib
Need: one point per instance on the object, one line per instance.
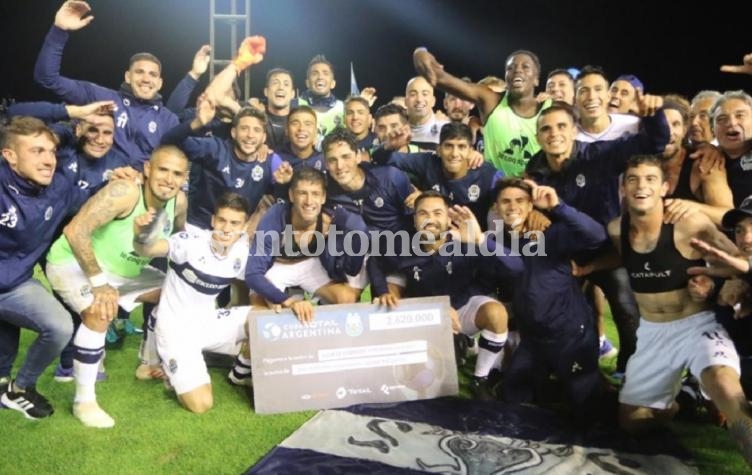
(510, 139)
(113, 243)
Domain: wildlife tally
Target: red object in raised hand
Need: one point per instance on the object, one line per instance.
(251, 51)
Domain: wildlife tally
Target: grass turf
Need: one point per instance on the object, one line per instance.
(154, 435)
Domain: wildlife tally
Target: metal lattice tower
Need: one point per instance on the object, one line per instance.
(233, 19)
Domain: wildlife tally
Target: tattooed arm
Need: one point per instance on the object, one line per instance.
(117, 199)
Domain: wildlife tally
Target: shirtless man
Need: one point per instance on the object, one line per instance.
(676, 332)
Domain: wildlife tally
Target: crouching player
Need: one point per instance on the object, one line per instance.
(186, 322)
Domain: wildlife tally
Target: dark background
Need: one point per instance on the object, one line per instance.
(669, 46)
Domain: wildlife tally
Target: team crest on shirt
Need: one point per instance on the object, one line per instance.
(416, 273)
(473, 193)
(746, 162)
(257, 173)
(226, 170)
(449, 267)
(436, 188)
(317, 165)
(379, 202)
(173, 366)
(48, 213)
(239, 182)
(126, 102)
(580, 180)
(152, 127)
(73, 167)
(236, 265)
(434, 129)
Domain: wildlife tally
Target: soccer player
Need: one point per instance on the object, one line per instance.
(319, 96)
(202, 264)
(291, 248)
(93, 262)
(34, 201)
(141, 117)
(437, 269)
(676, 332)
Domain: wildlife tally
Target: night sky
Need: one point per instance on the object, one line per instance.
(670, 49)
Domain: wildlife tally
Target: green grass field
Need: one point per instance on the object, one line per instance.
(154, 435)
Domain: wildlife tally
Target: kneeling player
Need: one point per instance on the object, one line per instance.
(202, 264)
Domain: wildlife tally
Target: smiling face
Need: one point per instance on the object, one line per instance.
(32, 157)
(228, 225)
(561, 88)
(556, 133)
(279, 91)
(320, 79)
(145, 79)
(592, 96)
(521, 75)
(733, 126)
(165, 173)
(457, 109)
(301, 130)
(342, 164)
(678, 130)
(623, 97)
(643, 188)
(248, 135)
(96, 135)
(431, 216)
(307, 198)
(513, 205)
(419, 100)
(454, 155)
(357, 118)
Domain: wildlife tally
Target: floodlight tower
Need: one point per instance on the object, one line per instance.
(240, 12)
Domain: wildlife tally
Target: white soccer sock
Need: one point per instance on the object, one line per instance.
(242, 365)
(88, 351)
(490, 354)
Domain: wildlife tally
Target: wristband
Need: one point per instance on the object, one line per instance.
(98, 280)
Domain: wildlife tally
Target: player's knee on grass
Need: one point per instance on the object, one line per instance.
(722, 384)
(637, 420)
(198, 401)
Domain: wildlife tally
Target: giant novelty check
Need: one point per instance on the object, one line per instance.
(352, 354)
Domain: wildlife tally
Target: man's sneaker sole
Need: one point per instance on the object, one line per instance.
(240, 381)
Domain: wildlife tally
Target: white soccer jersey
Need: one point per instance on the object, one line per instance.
(621, 125)
(196, 275)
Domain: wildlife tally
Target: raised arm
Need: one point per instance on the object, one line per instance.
(251, 52)
(427, 66)
(70, 17)
(181, 95)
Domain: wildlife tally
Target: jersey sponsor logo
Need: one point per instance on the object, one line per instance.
(239, 182)
(580, 180)
(152, 127)
(83, 184)
(226, 170)
(473, 193)
(122, 120)
(378, 202)
(649, 273)
(257, 173)
(746, 162)
(9, 219)
(236, 265)
(436, 188)
(48, 213)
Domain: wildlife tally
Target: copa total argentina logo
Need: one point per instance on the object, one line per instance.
(353, 324)
(274, 331)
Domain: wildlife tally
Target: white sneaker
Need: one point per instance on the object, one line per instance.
(91, 415)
